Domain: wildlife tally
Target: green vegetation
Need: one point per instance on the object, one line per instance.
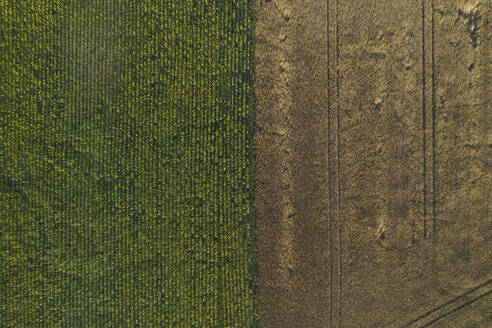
(126, 164)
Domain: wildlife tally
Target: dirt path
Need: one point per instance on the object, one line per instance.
(373, 162)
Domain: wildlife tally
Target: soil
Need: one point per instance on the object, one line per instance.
(373, 163)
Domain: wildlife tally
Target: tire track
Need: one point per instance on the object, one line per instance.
(470, 293)
(334, 162)
(330, 216)
(424, 168)
(456, 309)
(340, 272)
(433, 100)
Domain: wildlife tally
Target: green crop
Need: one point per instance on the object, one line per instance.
(126, 164)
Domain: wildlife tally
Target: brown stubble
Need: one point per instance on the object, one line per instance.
(378, 136)
(292, 174)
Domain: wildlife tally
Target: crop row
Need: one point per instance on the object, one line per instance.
(126, 163)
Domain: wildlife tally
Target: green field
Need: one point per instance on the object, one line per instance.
(126, 164)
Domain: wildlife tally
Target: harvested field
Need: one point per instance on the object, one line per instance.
(373, 166)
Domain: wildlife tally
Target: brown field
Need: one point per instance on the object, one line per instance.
(374, 163)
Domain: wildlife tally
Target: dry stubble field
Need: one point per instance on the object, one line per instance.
(373, 165)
